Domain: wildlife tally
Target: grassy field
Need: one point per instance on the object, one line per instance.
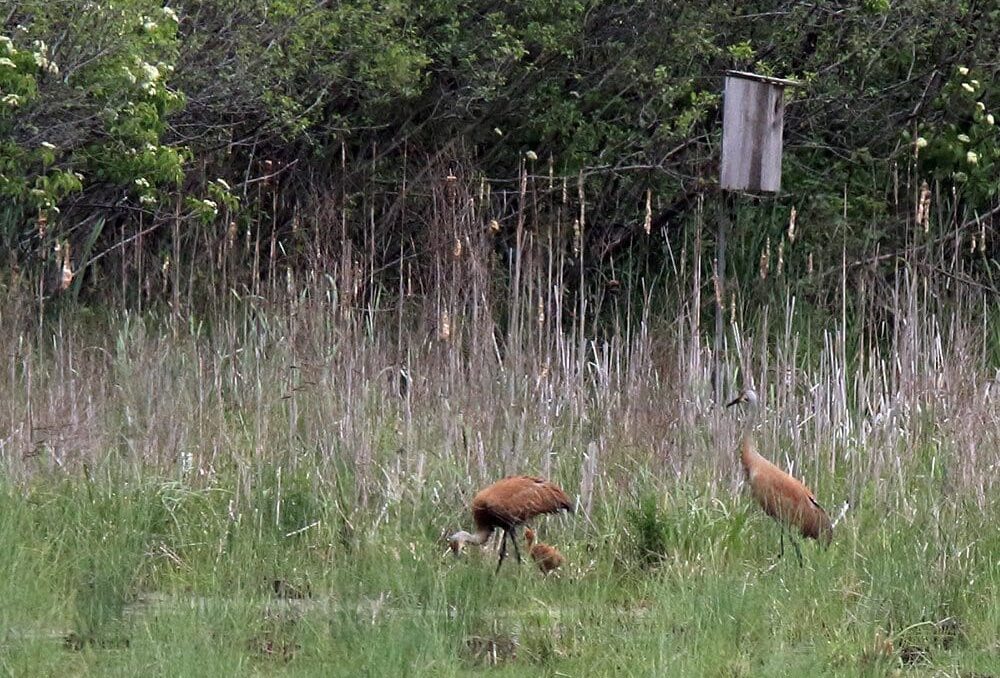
(266, 495)
(147, 576)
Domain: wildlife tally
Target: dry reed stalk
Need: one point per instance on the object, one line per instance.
(297, 377)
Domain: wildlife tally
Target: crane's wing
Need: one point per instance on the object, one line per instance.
(521, 498)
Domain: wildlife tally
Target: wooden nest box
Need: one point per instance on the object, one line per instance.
(752, 120)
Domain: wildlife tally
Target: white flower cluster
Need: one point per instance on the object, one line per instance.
(42, 60)
(212, 206)
(150, 76)
(146, 196)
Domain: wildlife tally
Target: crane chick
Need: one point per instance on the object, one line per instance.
(785, 499)
(547, 557)
(505, 505)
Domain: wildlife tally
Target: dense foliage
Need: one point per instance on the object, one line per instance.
(126, 125)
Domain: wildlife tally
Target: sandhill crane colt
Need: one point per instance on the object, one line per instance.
(785, 499)
(547, 557)
(506, 504)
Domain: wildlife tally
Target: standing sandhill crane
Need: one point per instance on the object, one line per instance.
(506, 504)
(785, 499)
(547, 557)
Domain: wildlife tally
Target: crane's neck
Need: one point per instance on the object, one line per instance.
(748, 455)
(461, 538)
(479, 538)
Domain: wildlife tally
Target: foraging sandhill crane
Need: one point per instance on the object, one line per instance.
(506, 504)
(547, 557)
(785, 499)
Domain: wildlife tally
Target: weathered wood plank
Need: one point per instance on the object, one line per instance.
(752, 125)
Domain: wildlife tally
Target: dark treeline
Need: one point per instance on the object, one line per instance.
(154, 153)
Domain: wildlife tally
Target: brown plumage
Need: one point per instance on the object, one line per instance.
(505, 505)
(547, 557)
(784, 498)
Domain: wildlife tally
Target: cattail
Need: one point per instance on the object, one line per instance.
(809, 264)
(791, 225)
(647, 224)
(66, 274)
(541, 313)
(444, 327)
(924, 207)
(717, 284)
(982, 237)
(457, 249)
(781, 257)
(765, 260)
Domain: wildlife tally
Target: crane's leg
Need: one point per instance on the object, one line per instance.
(503, 551)
(798, 552)
(513, 539)
(781, 551)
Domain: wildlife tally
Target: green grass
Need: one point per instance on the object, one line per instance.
(159, 476)
(121, 577)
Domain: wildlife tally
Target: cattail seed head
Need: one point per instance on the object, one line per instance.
(444, 327)
(924, 207)
(647, 223)
(765, 260)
